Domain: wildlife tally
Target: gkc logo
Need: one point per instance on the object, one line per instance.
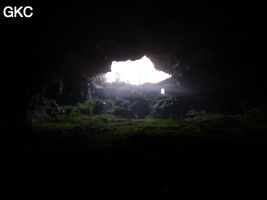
(21, 11)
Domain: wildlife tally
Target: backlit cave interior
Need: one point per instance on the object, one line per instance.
(136, 98)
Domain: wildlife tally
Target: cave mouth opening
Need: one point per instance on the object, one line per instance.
(136, 72)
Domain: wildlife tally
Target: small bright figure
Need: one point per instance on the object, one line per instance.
(162, 91)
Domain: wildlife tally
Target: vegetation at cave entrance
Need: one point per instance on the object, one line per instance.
(79, 121)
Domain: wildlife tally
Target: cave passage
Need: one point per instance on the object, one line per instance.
(135, 98)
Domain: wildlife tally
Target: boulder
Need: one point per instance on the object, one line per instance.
(172, 106)
(107, 105)
(122, 103)
(140, 107)
(41, 108)
(101, 106)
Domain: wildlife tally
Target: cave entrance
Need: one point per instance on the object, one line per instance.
(137, 72)
(131, 76)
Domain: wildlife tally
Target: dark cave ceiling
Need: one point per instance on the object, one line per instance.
(68, 39)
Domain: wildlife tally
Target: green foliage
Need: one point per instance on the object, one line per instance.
(67, 107)
(71, 120)
(146, 126)
(209, 116)
(260, 111)
(49, 126)
(103, 117)
(177, 116)
(120, 126)
(126, 130)
(88, 105)
(106, 129)
(150, 122)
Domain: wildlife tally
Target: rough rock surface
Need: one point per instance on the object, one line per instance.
(101, 106)
(41, 108)
(172, 106)
(140, 107)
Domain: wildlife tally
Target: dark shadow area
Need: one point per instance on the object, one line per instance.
(63, 124)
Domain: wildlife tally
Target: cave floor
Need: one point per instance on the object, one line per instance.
(217, 155)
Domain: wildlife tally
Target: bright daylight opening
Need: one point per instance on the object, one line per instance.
(135, 72)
